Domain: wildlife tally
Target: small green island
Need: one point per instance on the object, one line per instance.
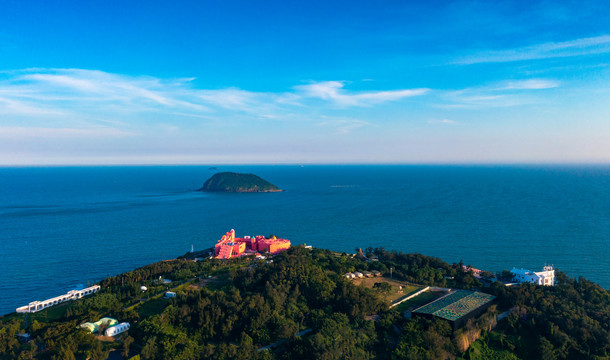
(238, 183)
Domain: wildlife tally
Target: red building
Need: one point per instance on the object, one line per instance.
(273, 245)
(229, 246)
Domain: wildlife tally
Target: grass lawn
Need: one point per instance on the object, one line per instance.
(213, 283)
(216, 284)
(50, 314)
(151, 307)
(53, 313)
(395, 293)
(420, 300)
(156, 303)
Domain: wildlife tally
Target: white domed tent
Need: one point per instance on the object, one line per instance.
(117, 329)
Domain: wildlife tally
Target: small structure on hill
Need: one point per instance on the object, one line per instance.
(545, 277)
(475, 272)
(93, 327)
(164, 281)
(117, 329)
(457, 307)
(111, 325)
(170, 294)
(23, 338)
(229, 246)
(480, 274)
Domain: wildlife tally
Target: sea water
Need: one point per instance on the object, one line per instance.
(62, 226)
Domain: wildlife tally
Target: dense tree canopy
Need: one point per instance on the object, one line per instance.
(299, 305)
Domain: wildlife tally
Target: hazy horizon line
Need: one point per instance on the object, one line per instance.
(482, 164)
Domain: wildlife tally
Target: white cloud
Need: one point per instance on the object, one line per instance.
(47, 111)
(236, 99)
(472, 99)
(333, 91)
(104, 86)
(500, 94)
(92, 95)
(80, 98)
(530, 84)
(10, 106)
(22, 132)
(345, 126)
(84, 116)
(577, 47)
(442, 121)
(90, 92)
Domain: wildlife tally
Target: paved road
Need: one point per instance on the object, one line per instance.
(503, 315)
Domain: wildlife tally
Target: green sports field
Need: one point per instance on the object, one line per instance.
(456, 304)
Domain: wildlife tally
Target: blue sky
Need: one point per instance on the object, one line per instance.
(121, 82)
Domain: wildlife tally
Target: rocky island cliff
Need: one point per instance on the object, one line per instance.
(237, 182)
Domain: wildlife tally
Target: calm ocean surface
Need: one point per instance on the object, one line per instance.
(60, 227)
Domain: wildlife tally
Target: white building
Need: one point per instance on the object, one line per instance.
(117, 329)
(170, 294)
(35, 306)
(545, 277)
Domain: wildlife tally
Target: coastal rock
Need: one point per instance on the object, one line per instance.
(236, 182)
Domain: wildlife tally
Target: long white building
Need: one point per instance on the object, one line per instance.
(545, 277)
(35, 306)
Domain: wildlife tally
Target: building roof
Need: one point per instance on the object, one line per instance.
(456, 304)
(547, 272)
(94, 326)
(521, 271)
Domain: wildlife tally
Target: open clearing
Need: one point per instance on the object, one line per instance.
(395, 293)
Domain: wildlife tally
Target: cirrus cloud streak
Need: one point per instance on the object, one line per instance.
(548, 50)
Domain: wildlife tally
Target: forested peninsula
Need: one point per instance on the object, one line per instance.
(237, 182)
(300, 305)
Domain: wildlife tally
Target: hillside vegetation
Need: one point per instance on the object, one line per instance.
(302, 304)
(236, 182)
